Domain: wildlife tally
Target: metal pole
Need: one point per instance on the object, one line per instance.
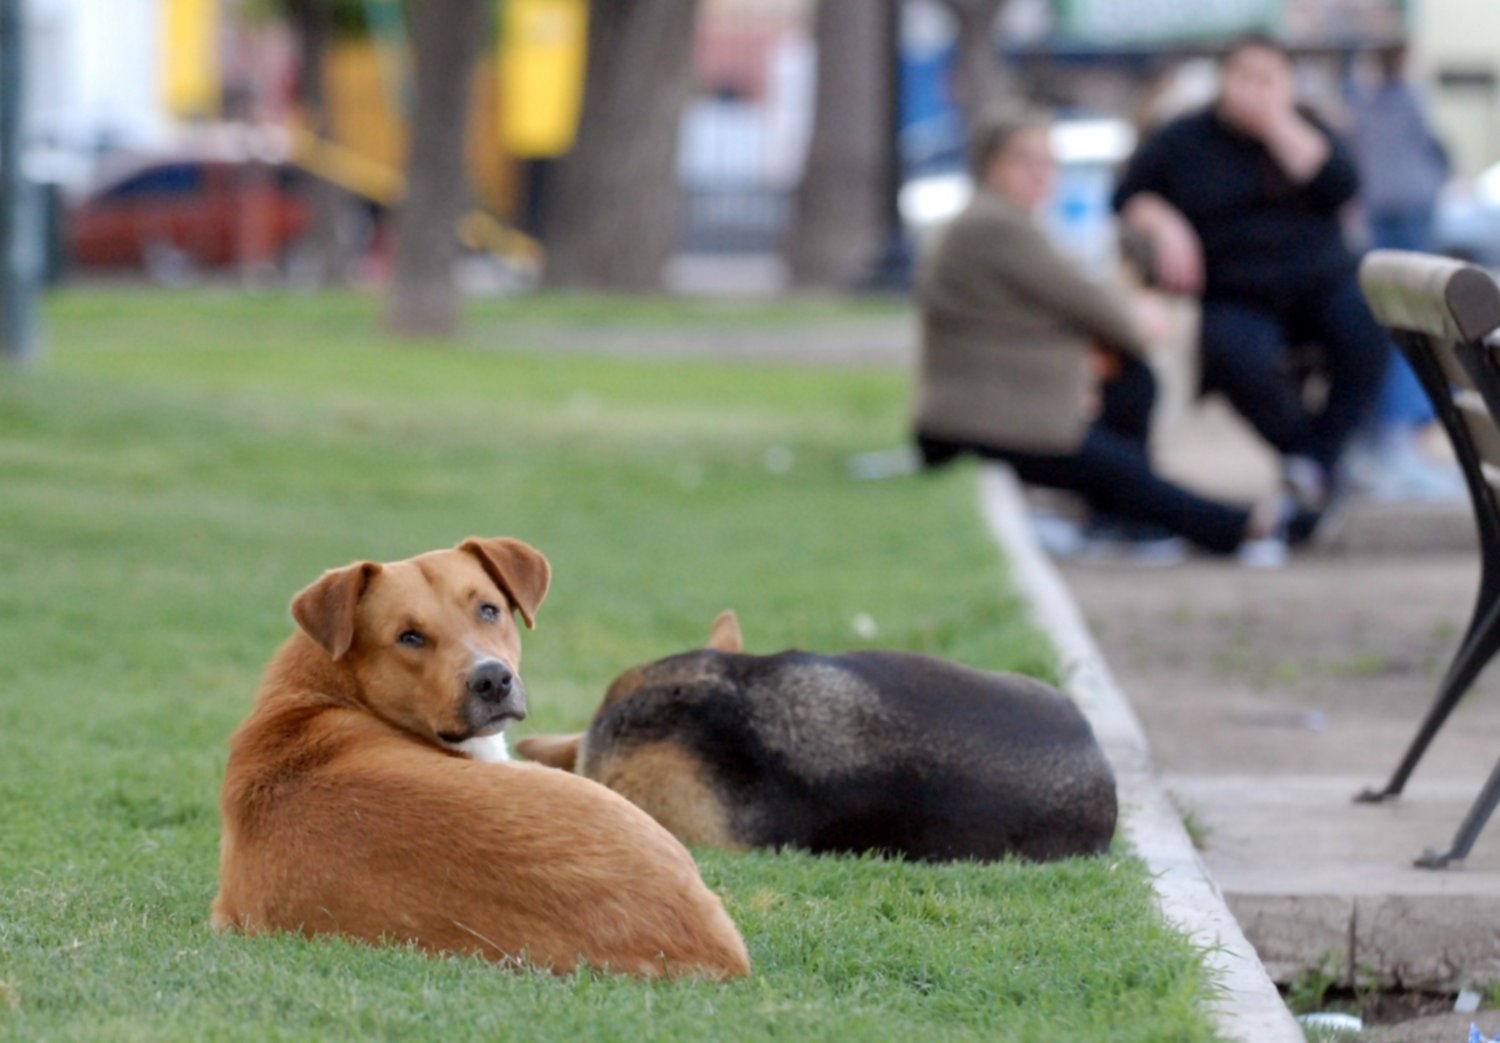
(892, 269)
(895, 164)
(20, 212)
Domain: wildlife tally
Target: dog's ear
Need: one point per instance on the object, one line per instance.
(517, 568)
(325, 610)
(555, 751)
(725, 633)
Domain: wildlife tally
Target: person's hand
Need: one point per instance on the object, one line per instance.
(1176, 253)
(1298, 147)
(1154, 317)
(1105, 363)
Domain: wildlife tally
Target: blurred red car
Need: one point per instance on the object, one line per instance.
(175, 216)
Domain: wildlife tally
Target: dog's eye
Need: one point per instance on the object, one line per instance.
(411, 639)
(487, 612)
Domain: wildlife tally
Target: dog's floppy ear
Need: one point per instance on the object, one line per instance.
(517, 568)
(725, 634)
(325, 610)
(555, 751)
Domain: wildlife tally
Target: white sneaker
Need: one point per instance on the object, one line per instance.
(1161, 553)
(1057, 534)
(1268, 552)
(1307, 481)
(1411, 479)
(1113, 542)
(1392, 467)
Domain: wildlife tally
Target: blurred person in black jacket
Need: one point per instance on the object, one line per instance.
(1238, 204)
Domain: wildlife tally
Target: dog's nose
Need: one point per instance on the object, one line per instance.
(491, 681)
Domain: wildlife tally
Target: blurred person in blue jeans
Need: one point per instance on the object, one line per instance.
(1239, 205)
(1402, 167)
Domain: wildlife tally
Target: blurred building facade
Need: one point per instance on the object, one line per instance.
(107, 75)
(92, 81)
(1456, 44)
(1120, 60)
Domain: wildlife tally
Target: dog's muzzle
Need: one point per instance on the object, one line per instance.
(493, 699)
(492, 682)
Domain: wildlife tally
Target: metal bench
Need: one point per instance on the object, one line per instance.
(1441, 314)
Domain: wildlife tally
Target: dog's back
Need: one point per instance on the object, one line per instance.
(862, 751)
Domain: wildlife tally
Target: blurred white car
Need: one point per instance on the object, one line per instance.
(1467, 222)
(1089, 152)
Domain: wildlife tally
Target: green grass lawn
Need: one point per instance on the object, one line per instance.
(181, 464)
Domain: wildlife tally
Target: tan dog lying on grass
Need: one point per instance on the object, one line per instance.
(354, 802)
(864, 751)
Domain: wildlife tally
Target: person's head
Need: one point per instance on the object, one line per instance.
(1010, 153)
(1257, 74)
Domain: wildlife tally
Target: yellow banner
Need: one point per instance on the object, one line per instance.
(543, 49)
(190, 56)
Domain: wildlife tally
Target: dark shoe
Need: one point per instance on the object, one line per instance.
(1300, 525)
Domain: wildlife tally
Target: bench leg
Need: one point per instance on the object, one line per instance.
(1479, 645)
(1473, 824)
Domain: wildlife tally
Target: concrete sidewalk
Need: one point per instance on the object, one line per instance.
(1270, 698)
(1247, 1007)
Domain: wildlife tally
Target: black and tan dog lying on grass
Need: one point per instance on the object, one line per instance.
(865, 751)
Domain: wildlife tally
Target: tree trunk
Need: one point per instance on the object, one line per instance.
(840, 209)
(322, 248)
(981, 78)
(614, 218)
(445, 41)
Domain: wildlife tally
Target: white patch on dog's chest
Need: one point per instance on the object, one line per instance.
(491, 749)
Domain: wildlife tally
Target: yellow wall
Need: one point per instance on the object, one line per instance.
(366, 117)
(361, 112)
(190, 57)
(543, 46)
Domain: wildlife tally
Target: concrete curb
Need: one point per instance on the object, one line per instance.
(1250, 1008)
